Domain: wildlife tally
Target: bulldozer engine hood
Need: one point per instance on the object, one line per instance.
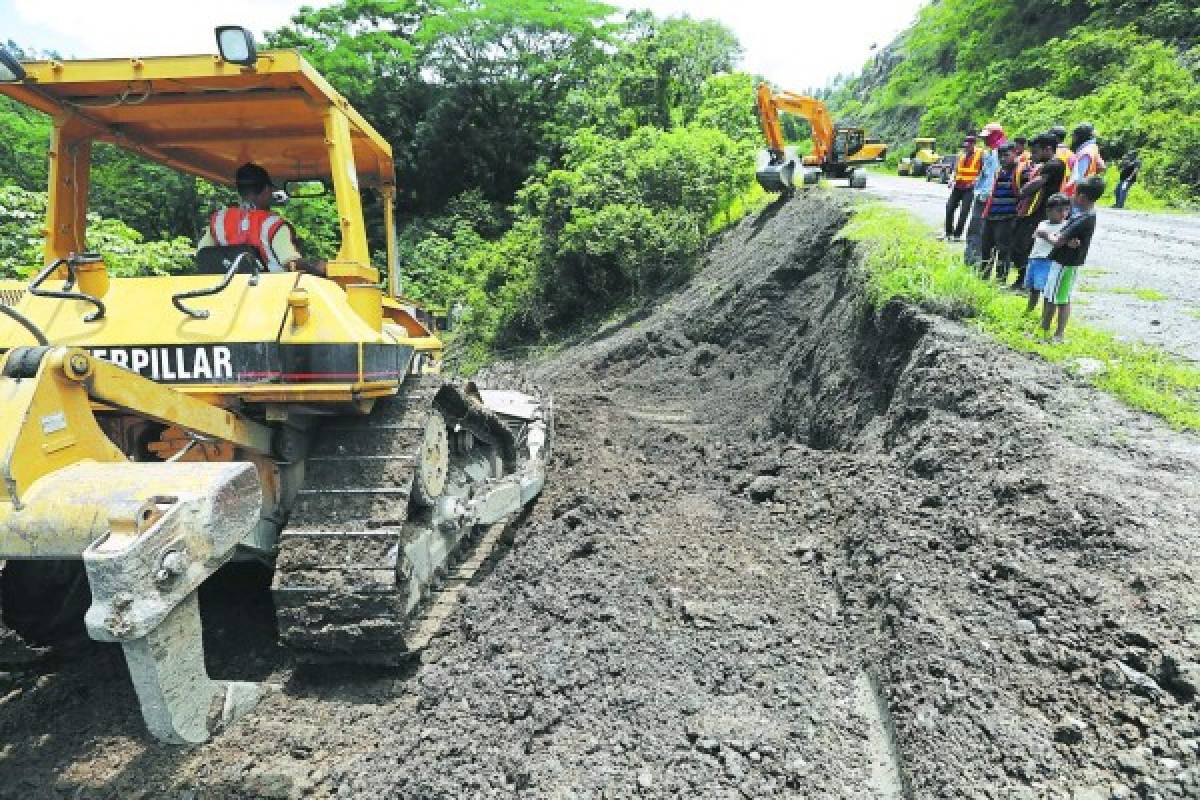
(283, 330)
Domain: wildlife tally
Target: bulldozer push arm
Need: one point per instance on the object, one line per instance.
(149, 533)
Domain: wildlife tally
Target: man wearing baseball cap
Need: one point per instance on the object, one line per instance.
(252, 222)
(992, 135)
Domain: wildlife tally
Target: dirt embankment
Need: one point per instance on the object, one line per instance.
(790, 547)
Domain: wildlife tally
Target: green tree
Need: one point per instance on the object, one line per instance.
(462, 89)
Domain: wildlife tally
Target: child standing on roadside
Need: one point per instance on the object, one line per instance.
(1039, 257)
(1069, 254)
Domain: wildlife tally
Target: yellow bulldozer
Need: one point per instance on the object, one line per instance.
(923, 154)
(154, 429)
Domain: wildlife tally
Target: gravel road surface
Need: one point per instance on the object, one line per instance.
(1158, 254)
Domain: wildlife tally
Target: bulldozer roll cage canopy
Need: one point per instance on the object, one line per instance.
(204, 116)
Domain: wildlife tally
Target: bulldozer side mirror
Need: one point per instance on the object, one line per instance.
(236, 45)
(304, 189)
(11, 70)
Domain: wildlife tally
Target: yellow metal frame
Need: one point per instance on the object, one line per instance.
(196, 114)
(52, 424)
(281, 101)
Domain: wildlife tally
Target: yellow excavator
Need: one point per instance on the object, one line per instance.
(154, 429)
(838, 152)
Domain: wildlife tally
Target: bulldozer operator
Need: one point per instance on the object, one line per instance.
(253, 223)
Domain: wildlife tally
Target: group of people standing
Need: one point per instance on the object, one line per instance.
(1030, 205)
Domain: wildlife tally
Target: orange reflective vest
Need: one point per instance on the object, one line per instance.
(234, 226)
(1095, 160)
(967, 169)
(1067, 156)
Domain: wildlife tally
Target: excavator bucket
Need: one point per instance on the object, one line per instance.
(777, 178)
(785, 176)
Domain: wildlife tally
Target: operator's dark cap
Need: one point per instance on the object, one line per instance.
(252, 176)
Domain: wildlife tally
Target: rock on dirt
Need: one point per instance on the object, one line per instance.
(791, 546)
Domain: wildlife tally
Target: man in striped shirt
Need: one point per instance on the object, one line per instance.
(999, 214)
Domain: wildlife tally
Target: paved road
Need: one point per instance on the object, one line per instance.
(1132, 251)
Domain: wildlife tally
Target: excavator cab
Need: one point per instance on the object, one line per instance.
(156, 428)
(851, 141)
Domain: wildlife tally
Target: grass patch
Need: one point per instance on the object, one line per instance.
(902, 260)
(746, 202)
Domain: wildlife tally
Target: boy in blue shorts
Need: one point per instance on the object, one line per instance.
(1039, 257)
(1069, 254)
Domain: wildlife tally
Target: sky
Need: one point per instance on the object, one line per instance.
(796, 44)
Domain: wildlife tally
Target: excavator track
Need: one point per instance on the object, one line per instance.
(343, 589)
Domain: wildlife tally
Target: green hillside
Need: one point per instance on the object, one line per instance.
(1131, 67)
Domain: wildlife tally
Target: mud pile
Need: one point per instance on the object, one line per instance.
(790, 546)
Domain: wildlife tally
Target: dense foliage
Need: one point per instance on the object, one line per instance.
(553, 163)
(126, 252)
(1131, 67)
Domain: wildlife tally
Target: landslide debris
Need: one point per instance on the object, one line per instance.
(791, 546)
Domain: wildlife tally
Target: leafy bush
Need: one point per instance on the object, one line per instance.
(619, 220)
(23, 215)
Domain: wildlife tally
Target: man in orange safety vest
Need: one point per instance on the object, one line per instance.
(1088, 161)
(252, 222)
(966, 170)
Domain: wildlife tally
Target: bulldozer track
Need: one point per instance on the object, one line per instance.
(339, 589)
(344, 589)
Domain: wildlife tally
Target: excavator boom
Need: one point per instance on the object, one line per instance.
(810, 108)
